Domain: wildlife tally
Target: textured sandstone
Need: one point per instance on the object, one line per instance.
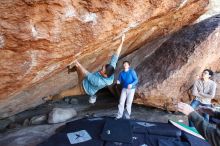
(216, 78)
(39, 38)
(167, 75)
(212, 10)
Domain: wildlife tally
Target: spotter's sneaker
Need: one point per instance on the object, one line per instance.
(92, 99)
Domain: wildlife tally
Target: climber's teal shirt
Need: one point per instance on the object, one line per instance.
(95, 81)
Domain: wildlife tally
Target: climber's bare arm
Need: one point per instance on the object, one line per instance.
(118, 51)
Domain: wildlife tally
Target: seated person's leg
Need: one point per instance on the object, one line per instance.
(206, 116)
(194, 104)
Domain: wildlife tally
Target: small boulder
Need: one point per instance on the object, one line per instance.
(38, 119)
(26, 122)
(58, 115)
(67, 100)
(4, 124)
(14, 126)
(74, 101)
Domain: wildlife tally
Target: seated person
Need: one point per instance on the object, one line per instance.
(204, 90)
(208, 131)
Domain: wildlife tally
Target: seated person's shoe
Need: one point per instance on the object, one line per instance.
(92, 99)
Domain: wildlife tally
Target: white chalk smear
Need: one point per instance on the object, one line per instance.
(69, 12)
(2, 41)
(45, 71)
(183, 3)
(90, 17)
(31, 64)
(130, 26)
(34, 31)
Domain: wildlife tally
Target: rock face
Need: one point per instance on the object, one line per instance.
(174, 63)
(39, 38)
(216, 78)
(213, 9)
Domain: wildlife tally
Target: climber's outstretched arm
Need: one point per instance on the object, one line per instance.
(115, 56)
(118, 51)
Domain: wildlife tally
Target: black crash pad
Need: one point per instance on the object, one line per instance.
(122, 132)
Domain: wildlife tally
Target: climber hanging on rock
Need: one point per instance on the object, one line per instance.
(90, 83)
